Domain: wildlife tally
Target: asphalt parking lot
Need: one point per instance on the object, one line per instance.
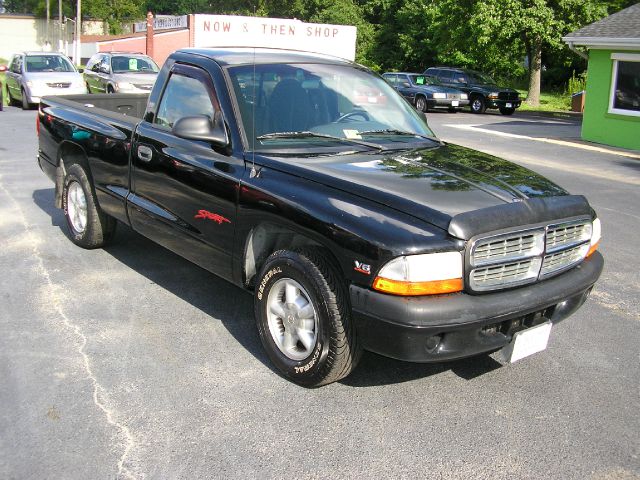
(130, 362)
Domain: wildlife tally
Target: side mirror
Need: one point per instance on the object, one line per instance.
(406, 84)
(81, 70)
(103, 69)
(200, 127)
(3, 68)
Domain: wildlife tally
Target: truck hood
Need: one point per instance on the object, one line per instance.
(433, 184)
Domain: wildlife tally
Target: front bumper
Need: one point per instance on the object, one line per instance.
(503, 103)
(446, 103)
(446, 327)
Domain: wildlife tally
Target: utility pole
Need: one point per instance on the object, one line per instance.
(60, 41)
(78, 53)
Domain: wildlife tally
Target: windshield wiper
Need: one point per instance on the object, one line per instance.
(306, 134)
(392, 131)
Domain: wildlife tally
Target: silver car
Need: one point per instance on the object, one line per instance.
(33, 75)
(111, 72)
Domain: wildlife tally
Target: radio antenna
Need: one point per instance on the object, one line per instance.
(253, 172)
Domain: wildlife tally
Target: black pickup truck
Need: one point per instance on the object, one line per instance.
(308, 181)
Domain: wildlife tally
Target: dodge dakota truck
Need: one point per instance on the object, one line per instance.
(352, 225)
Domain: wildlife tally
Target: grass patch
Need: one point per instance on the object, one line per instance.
(549, 102)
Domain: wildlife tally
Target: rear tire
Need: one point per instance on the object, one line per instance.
(507, 111)
(89, 227)
(110, 89)
(11, 100)
(304, 319)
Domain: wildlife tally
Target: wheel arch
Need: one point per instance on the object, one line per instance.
(69, 153)
(268, 237)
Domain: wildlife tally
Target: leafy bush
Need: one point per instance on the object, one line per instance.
(577, 84)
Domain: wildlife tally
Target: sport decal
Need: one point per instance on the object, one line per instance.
(204, 214)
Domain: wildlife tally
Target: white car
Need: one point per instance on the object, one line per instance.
(32, 75)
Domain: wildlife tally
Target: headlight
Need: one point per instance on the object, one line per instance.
(464, 96)
(439, 95)
(596, 234)
(493, 95)
(428, 274)
(125, 86)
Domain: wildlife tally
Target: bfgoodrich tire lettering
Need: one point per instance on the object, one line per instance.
(303, 318)
(89, 227)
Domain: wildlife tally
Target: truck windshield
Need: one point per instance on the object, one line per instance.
(282, 105)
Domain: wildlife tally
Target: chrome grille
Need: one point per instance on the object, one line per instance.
(508, 247)
(453, 96)
(566, 235)
(515, 258)
(511, 274)
(563, 259)
(59, 85)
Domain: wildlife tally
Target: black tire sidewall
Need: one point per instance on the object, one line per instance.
(25, 103)
(312, 369)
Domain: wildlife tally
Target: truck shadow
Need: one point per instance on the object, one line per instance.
(225, 302)
(375, 370)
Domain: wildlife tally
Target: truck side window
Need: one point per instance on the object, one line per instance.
(183, 97)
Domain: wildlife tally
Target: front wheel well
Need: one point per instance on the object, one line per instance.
(268, 238)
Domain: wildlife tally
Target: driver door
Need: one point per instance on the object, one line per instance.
(184, 192)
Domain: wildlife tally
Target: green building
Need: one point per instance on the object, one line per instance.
(612, 102)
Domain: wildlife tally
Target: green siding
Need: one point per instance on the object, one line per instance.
(598, 125)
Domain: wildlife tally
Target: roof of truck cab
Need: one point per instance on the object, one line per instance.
(249, 55)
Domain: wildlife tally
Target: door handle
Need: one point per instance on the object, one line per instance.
(145, 153)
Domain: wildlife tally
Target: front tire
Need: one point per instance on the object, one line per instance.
(304, 319)
(478, 105)
(25, 101)
(507, 111)
(89, 227)
(421, 104)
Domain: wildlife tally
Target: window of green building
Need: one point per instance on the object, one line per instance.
(625, 84)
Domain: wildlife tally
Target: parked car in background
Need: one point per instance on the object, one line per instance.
(122, 72)
(482, 89)
(32, 75)
(3, 68)
(426, 92)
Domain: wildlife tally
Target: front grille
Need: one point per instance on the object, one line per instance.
(563, 259)
(508, 95)
(517, 258)
(59, 85)
(515, 273)
(563, 236)
(453, 96)
(508, 247)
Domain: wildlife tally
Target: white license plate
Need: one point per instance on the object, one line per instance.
(527, 342)
(508, 105)
(455, 103)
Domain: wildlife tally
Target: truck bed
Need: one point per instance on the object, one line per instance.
(111, 105)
